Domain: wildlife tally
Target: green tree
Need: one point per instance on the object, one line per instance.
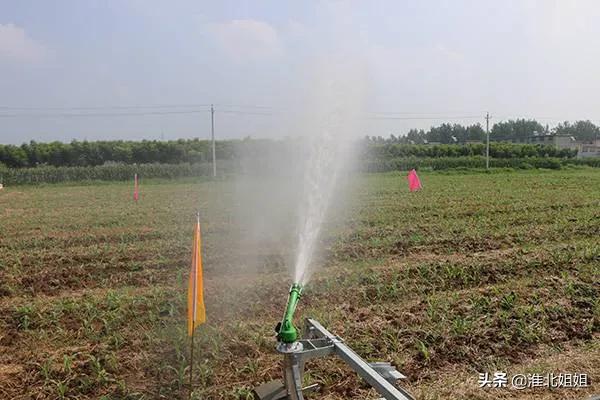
(475, 132)
(516, 130)
(581, 130)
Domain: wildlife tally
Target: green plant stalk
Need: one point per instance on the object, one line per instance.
(287, 332)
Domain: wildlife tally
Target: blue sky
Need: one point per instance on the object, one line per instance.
(427, 60)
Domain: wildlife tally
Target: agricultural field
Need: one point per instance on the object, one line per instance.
(476, 273)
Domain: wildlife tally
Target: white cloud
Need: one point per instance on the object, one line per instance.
(246, 39)
(16, 46)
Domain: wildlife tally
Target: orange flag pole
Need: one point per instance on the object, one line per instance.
(196, 309)
(136, 193)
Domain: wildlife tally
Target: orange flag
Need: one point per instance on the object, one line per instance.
(196, 310)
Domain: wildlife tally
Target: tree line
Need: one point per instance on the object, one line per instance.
(193, 151)
(518, 130)
(84, 153)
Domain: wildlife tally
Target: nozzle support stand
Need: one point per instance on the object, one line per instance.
(319, 342)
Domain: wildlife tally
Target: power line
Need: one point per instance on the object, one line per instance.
(129, 107)
(429, 118)
(243, 112)
(236, 109)
(124, 114)
(415, 113)
(249, 106)
(115, 114)
(513, 117)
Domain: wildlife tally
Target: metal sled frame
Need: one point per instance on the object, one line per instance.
(319, 342)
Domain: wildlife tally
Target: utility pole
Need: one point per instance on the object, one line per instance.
(487, 146)
(212, 133)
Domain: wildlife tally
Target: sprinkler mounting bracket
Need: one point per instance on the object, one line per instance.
(319, 342)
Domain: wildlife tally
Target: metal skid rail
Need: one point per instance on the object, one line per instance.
(319, 342)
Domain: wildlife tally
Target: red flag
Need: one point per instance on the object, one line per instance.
(136, 194)
(414, 183)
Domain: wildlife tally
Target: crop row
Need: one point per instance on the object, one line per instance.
(124, 172)
(444, 163)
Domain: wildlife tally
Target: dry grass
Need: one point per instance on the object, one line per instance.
(476, 273)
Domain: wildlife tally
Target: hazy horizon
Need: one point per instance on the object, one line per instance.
(161, 65)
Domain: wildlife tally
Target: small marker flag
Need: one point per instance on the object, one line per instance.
(136, 193)
(196, 310)
(414, 183)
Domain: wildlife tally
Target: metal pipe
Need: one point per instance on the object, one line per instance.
(293, 371)
(373, 378)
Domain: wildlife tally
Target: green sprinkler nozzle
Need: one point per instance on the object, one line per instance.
(286, 331)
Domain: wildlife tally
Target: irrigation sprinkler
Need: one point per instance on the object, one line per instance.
(287, 334)
(318, 342)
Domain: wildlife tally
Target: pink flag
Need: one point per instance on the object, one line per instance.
(414, 183)
(136, 194)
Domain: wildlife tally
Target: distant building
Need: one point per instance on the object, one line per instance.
(558, 141)
(589, 149)
(584, 149)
